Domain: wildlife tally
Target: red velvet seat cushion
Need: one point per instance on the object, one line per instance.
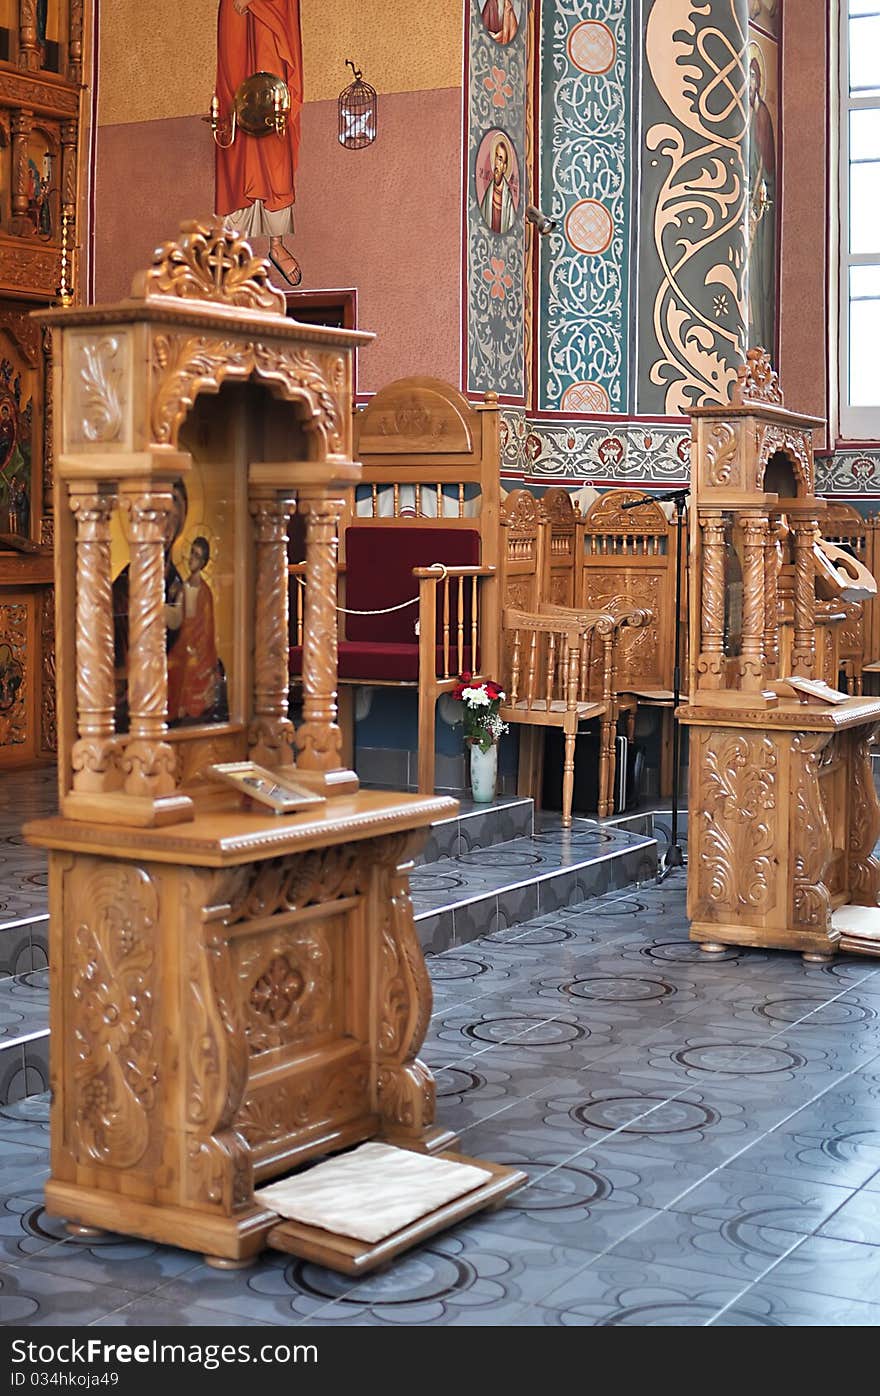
(365, 660)
(379, 573)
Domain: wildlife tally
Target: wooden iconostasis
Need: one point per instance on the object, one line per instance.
(42, 184)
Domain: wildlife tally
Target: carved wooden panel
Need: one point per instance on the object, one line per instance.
(113, 1015)
(48, 706)
(292, 984)
(641, 662)
(274, 1111)
(16, 674)
(738, 824)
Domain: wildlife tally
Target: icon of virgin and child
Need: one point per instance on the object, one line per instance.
(196, 675)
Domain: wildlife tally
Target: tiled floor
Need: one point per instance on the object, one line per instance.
(702, 1141)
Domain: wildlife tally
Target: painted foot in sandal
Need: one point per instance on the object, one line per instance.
(284, 262)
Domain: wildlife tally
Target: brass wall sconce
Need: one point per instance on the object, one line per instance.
(260, 106)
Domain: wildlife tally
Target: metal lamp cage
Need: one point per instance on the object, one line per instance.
(358, 112)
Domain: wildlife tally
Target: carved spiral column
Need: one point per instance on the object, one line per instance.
(318, 739)
(21, 126)
(68, 176)
(710, 665)
(270, 738)
(754, 532)
(75, 49)
(771, 602)
(94, 755)
(803, 657)
(148, 761)
(28, 43)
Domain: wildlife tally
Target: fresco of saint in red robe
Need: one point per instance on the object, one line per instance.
(192, 663)
(255, 175)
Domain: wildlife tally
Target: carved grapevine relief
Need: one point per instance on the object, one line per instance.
(14, 674)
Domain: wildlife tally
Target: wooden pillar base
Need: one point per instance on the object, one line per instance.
(712, 947)
(222, 1262)
(84, 1232)
(136, 811)
(329, 783)
(813, 957)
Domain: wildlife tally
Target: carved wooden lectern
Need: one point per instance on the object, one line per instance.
(233, 992)
(783, 814)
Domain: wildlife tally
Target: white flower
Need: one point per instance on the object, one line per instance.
(475, 697)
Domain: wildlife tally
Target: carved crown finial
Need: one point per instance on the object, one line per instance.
(210, 262)
(756, 380)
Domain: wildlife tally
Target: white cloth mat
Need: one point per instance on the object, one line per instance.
(372, 1191)
(856, 920)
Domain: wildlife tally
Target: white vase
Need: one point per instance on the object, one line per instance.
(484, 773)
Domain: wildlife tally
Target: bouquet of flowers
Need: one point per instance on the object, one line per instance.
(481, 701)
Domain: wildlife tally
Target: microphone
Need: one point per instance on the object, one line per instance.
(655, 498)
(543, 224)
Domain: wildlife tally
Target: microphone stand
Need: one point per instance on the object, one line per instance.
(674, 855)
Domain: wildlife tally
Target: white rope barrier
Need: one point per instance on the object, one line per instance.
(383, 610)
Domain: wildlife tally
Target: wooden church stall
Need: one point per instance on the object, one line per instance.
(783, 813)
(234, 991)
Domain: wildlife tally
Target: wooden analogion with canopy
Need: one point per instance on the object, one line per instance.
(235, 992)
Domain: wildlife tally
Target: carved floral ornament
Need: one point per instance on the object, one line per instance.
(211, 262)
(756, 381)
(793, 444)
(185, 365)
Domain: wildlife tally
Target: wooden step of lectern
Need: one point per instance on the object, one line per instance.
(356, 1257)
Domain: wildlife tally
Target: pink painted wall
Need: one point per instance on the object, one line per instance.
(803, 313)
(385, 219)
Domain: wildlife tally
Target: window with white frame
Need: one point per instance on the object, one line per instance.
(860, 219)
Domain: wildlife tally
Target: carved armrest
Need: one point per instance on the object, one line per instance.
(561, 620)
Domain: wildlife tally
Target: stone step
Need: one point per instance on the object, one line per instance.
(24, 944)
(456, 899)
(24, 1035)
(479, 826)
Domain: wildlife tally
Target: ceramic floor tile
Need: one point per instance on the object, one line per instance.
(729, 1250)
(31, 1297)
(613, 1292)
(830, 1265)
(766, 1305)
(857, 1220)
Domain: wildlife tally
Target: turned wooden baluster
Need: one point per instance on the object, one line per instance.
(21, 125)
(93, 757)
(148, 760)
(803, 656)
(270, 736)
(710, 666)
(28, 42)
(318, 739)
(751, 665)
(75, 50)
